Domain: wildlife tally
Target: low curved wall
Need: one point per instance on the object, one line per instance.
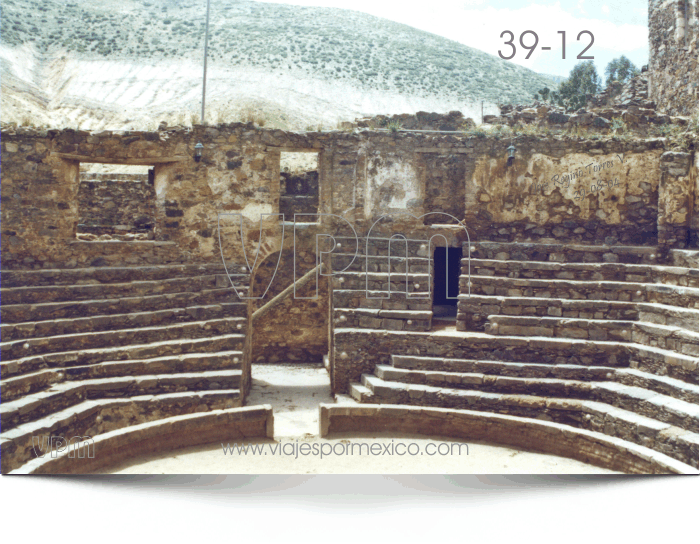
(541, 436)
(163, 435)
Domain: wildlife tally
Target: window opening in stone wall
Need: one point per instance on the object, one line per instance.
(116, 202)
(299, 191)
(446, 271)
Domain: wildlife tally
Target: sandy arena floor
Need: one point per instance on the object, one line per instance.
(295, 391)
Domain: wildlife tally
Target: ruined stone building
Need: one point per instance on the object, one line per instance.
(546, 301)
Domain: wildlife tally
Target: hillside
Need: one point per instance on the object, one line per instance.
(129, 61)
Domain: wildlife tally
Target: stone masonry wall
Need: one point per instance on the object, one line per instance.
(116, 204)
(673, 55)
(296, 329)
(362, 176)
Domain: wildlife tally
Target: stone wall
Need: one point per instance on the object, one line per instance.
(362, 176)
(296, 328)
(673, 55)
(116, 205)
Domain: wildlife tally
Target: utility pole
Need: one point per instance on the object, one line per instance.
(206, 47)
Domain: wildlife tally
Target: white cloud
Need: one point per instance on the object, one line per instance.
(605, 9)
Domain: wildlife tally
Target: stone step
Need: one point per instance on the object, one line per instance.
(685, 257)
(399, 283)
(117, 274)
(474, 310)
(14, 350)
(664, 362)
(671, 316)
(557, 327)
(97, 416)
(343, 262)
(648, 334)
(627, 376)
(360, 393)
(71, 293)
(672, 295)
(379, 245)
(674, 441)
(57, 327)
(563, 253)
(102, 253)
(635, 399)
(357, 298)
(69, 359)
(370, 347)
(23, 313)
(12, 388)
(367, 318)
(62, 395)
(665, 337)
(617, 272)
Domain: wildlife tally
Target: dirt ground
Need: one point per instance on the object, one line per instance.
(295, 391)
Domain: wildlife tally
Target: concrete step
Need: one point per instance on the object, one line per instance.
(71, 293)
(116, 274)
(627, 376)
(62, 395)
(617, 272)
(57, 327)
(70, 359)
(18, 349)
(672, 295)
(23, 313)
(635, 399)
(563, 253)
(97, 416)
(367, 318)
(681, 444)
(18, 386)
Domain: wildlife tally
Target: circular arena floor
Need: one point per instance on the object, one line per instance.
(295, 391)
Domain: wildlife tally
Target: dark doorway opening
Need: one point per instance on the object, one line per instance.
(447, 266)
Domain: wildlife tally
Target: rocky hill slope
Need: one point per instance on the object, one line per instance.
(135, 62)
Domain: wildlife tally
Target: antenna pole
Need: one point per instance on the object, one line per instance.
(206, 48)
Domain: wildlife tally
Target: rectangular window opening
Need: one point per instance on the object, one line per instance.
(116, 202)
(299, 187)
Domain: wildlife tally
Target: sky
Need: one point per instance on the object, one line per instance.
(619, 27)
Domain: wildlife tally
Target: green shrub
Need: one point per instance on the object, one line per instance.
(394, 126)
